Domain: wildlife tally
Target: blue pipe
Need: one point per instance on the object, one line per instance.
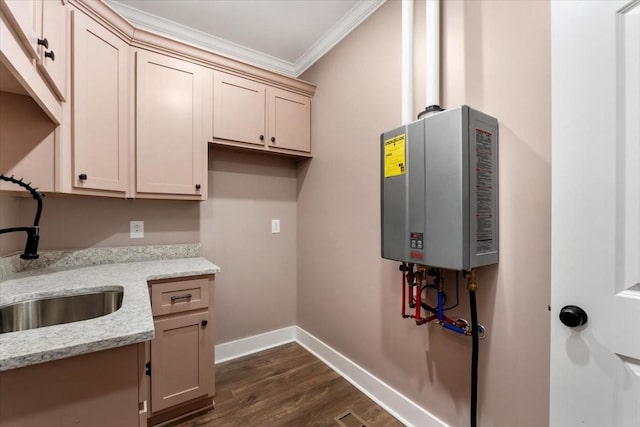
(453, 328)
(441, 315)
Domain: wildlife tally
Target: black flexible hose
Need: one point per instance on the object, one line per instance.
(474, 357)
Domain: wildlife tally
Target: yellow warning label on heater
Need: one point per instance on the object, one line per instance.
(394, 156)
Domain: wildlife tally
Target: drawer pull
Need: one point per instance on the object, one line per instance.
(178, 297)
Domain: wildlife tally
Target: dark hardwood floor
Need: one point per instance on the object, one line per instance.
(285, 386)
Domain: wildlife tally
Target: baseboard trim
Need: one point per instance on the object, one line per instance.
(245, 346)
(398, 405)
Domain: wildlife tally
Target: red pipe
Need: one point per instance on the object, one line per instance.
(409, 276)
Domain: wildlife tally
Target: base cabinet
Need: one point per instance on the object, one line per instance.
(96, 389)
(181, 356)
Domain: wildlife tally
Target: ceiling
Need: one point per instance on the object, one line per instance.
(286, 36)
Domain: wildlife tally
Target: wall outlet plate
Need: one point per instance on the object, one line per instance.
(136, 229)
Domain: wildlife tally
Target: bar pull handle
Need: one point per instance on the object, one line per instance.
(178, 297)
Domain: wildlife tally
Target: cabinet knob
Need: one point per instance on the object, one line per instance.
(197, 186)
(82, 177)
(273, 139)
(43, 42)
(204, 323)
(51, 55)
(261, 137)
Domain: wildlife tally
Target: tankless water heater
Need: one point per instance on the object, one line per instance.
(439, 190)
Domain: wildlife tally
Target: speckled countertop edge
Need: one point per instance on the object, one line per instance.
(132, 323)
(57, 260)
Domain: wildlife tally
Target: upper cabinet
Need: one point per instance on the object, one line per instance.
(100, 108)
(289, 120)
(239, 109)
(28, 67)
(24, 14)
(170, 144)
(250, 114)
(132, 112)
(42, 27)
(52, 46)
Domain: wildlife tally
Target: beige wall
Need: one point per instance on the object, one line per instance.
(10, 217)
(85, 222)
(24, 129)
(256, 290)
(496, 59)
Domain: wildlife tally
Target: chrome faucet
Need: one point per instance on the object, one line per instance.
(33, 232)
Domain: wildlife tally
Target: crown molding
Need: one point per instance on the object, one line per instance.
(358, 13)
(166, 27)
(183, 33)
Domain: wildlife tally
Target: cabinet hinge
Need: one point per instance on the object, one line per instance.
(148, 366)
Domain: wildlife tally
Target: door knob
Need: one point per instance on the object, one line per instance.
(573, 316)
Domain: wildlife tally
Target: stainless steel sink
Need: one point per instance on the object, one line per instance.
(37, 313)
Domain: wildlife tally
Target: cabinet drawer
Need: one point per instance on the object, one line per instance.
(180, 295)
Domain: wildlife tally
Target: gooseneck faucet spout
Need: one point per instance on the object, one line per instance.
(33, 232)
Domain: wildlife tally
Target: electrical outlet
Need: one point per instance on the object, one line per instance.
(136, 229)
(275, 226)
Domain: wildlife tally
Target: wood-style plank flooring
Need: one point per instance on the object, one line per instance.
(285, 386)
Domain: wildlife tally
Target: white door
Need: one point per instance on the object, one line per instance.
(595, 368)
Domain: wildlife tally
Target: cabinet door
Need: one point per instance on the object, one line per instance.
(289, 120)
(100, 107)
(169, 142)
(181, 360)
(25, 14)
(53, 60)
(238, 109)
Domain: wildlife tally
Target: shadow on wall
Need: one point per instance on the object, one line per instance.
(245, 169)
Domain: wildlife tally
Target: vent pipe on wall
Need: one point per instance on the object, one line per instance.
(432, 46)
(407, 61)
(432, 57)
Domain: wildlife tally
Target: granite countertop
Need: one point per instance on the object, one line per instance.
(132, 323)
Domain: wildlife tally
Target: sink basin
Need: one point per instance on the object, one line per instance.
(37, 313)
